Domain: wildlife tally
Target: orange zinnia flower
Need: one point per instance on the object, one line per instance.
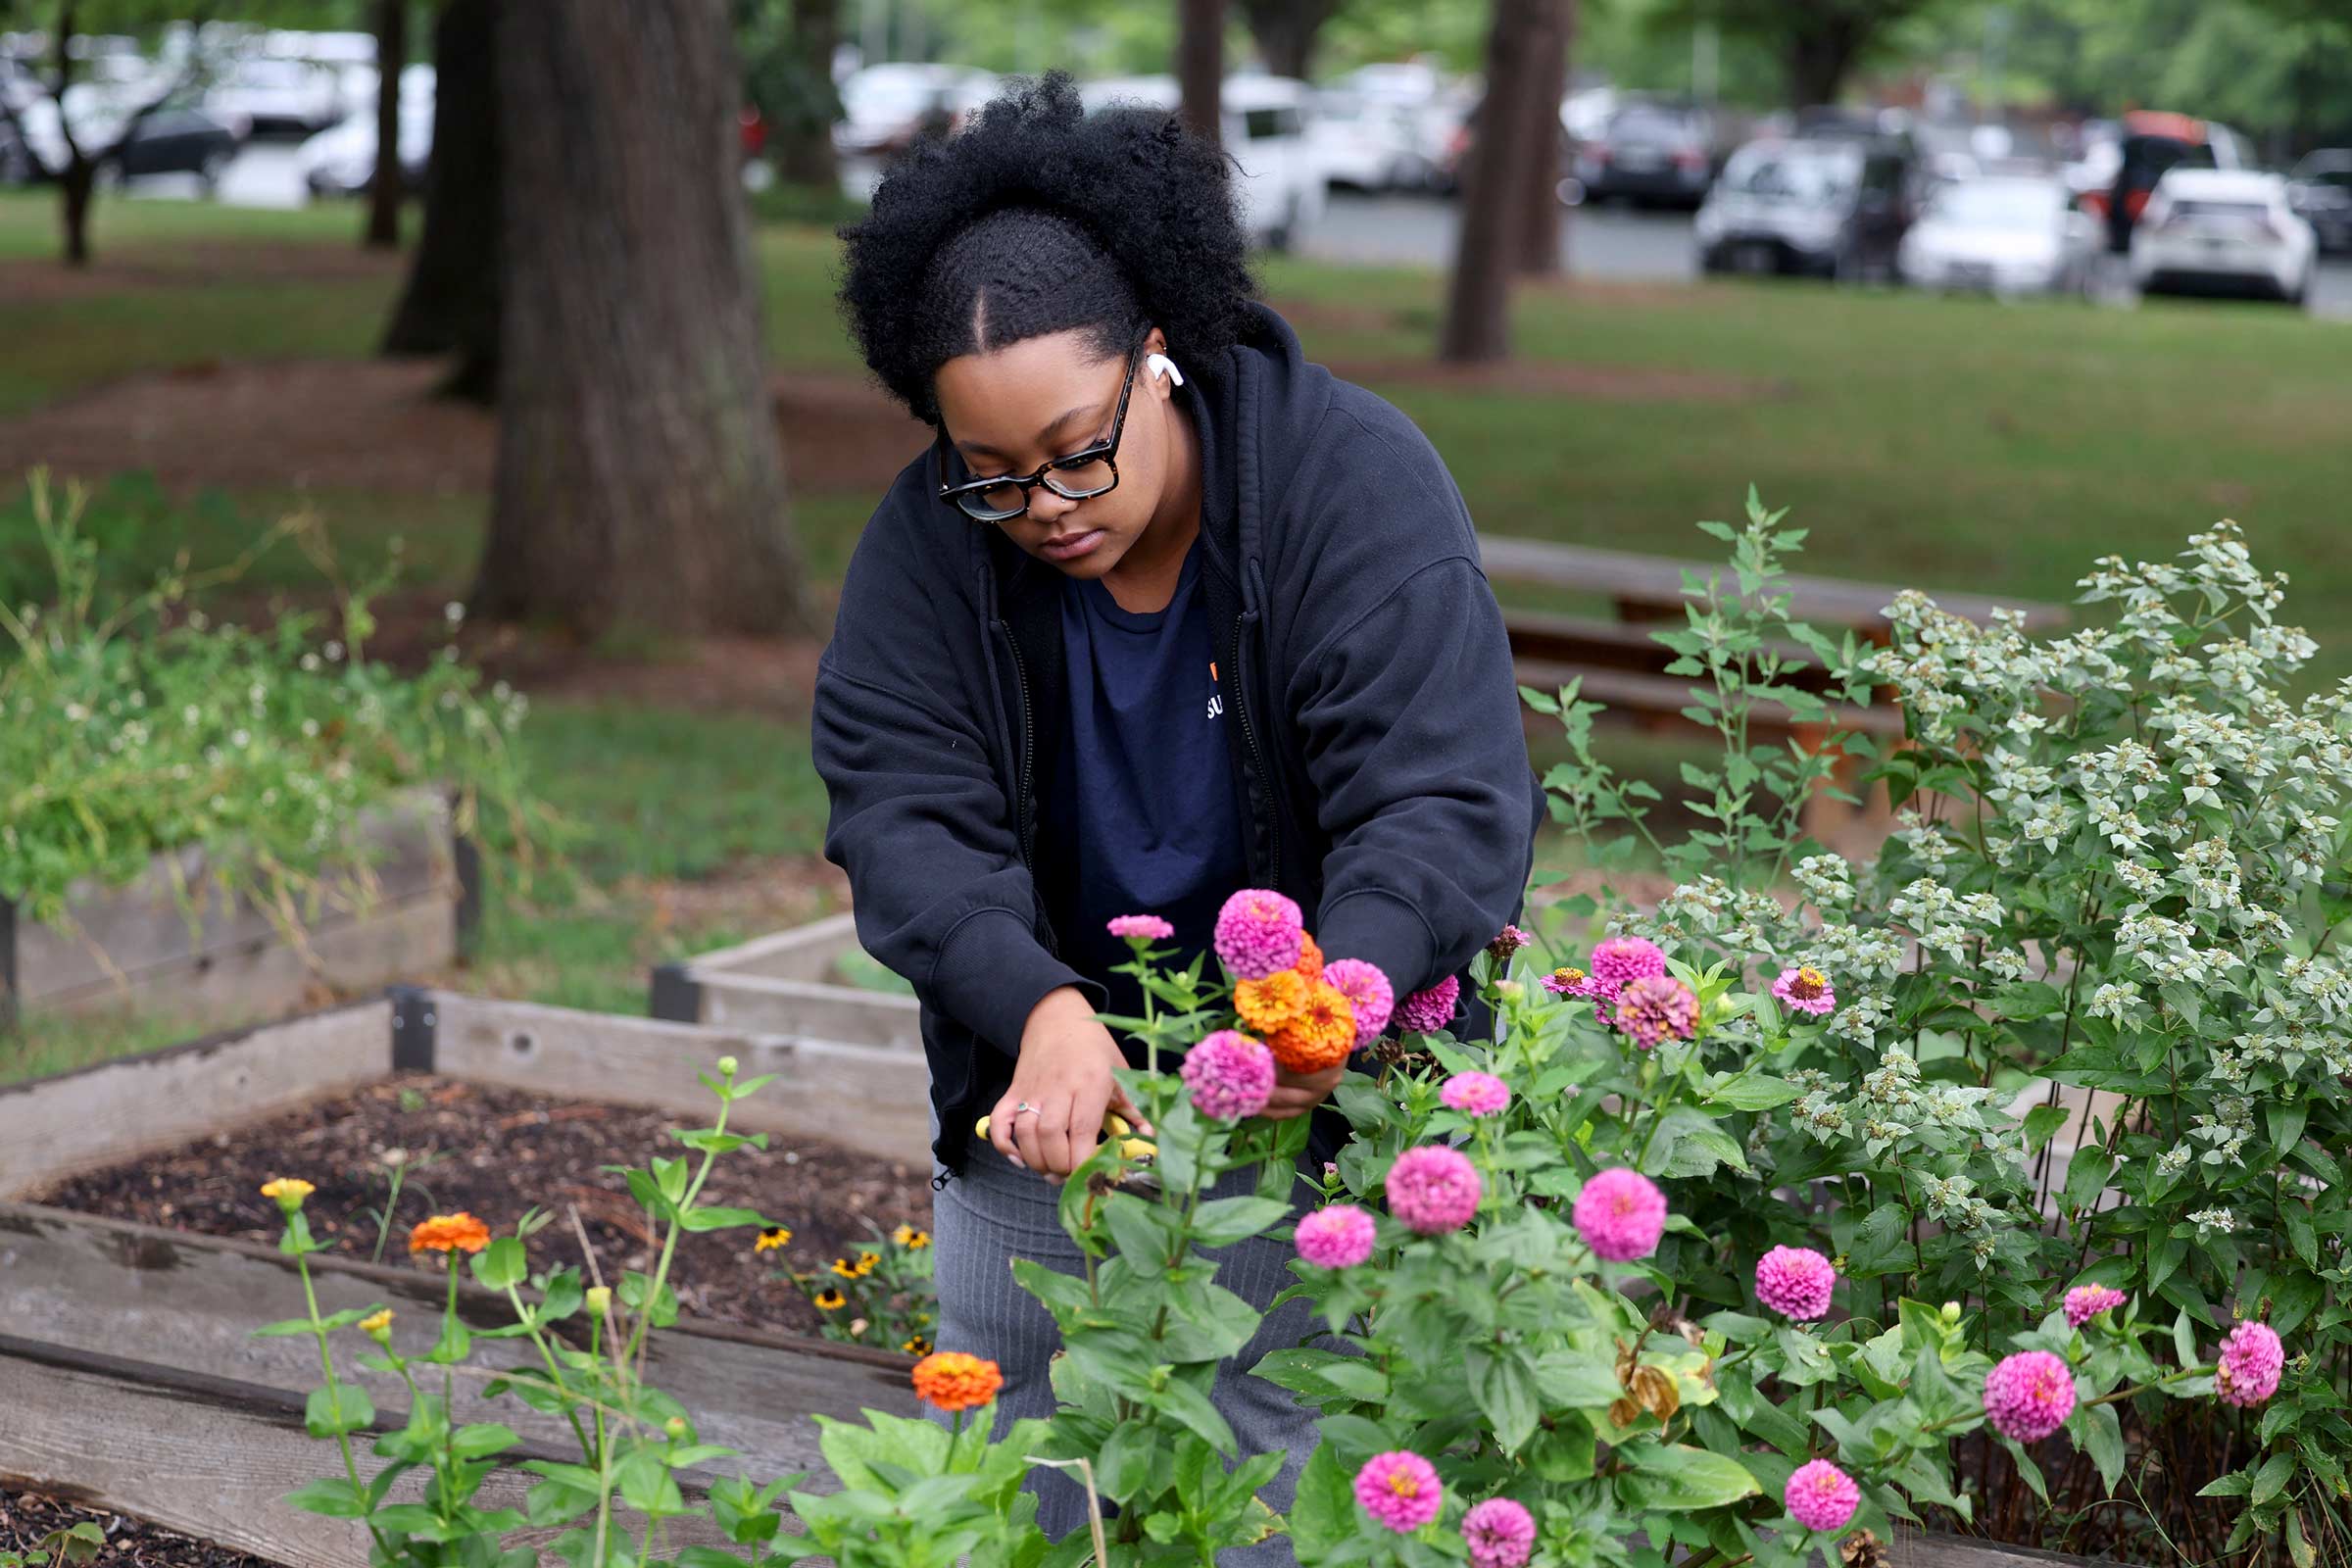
(444, 1232)
(950, 1380)
(1320, 1035)
(1266, 1006)
(1311, 959)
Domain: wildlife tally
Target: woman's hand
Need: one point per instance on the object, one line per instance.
(1068, 1058)
(1296, 1094)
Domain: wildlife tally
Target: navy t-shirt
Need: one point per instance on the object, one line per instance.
(1142, 813)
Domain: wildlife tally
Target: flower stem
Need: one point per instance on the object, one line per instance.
(327, 1364)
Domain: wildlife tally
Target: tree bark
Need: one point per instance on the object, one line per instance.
(804, 145)
(452, 299)
(384, 186)
(1541, 245)
(1285, 32)
(1201, 63)
(1821, 53)
(1495, 188)
(639, 479)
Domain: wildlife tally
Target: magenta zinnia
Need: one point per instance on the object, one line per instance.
(1822, 1496)
(1230, 1076)
(1618, 959)
(1367, 991)
(1655, 1008)
(1620, 1214)
(1425, 1012)
(1475, 1093)
(2029, 1395)
(1433, 1189)
(1141, 927)
(1806, 989)
(1338, 1237)
(1400, 1490)
(2086, 1301)
(1795, 1282)
(1510, 940)
(2252, 1357)
(1502, 1533)
(1258, 933)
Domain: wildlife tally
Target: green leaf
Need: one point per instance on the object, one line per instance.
(2042, 1123)
(1752, 1092)
(1188, 1405)
(2272, 1479)
(704, 1217)
(1323, 1511)
(283, 1327)
(501, 1263)
(2286, 1123)
(334, 1498)
(345, 1407)
(2086, 1175)
(1673, 1477)
(1226, 1220)
(473, 1442)
(1503, 1383)
(2103, 1438)
(1125, 1462)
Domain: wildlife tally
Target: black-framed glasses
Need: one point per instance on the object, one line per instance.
(1092, 472)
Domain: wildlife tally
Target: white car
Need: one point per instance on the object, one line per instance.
(1262, 122)
(340, 160)
(2006, 235)
(2222, 229)
(1367, 143)
(885, 106)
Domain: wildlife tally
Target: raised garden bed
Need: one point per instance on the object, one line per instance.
(135, 946)
(28, 1518)
(128, 1342)
(792, 982)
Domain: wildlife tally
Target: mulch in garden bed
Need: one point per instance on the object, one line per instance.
(495, 1153)
(25, 1517)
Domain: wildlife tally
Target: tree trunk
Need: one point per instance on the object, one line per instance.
(805, 141)
(1541, 215)
(1495, 188)
(451, 300)
(1285, 32)
(1820, 54)
(1201, 62)
(384, 186)
(639, 479)
(74, 209)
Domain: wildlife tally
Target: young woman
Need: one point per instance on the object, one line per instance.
(1164, 612)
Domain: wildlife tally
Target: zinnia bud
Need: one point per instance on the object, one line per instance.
(726, 1067)
(600, 1296)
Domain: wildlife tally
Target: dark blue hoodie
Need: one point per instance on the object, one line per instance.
(1379, 745)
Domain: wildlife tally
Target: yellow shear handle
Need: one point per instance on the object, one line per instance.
(1115, 1125)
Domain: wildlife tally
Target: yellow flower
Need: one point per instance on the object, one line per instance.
(774, 1236)
(909, 1236)
(377, 1326)
(916, 1344)
(288, 1191)
(600, 1296)
(844, 1269)
(449, 1233)
(828, 1299)
(866, 1262)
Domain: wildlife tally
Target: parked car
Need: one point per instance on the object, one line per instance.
(884, 107)
(2153, 143)
(2214, 230)
(2321, 192)
(275, 95)
(1262, 122)
(340, 160)
(175, 141)
(2003, 235)
(1367, 143)
(1649, 154)
(1835, 207)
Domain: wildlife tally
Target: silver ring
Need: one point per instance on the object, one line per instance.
(1025, 1105)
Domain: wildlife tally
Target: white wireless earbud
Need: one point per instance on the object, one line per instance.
(1161, 365)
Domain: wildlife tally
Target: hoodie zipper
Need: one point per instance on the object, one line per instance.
(1257, 761)
(1024, 783)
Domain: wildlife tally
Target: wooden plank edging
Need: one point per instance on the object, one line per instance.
(756, 1005)
(802, 953)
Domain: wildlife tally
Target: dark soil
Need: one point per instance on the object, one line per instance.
(26, 1516)
(495, 1152)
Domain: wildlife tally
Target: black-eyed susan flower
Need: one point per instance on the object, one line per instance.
(916, 1344)
(909, 1237)
(771, 1239)
(844, 1268)
(828, 1299)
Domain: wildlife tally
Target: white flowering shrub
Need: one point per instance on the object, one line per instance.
(2090, 1025)
(130, 726)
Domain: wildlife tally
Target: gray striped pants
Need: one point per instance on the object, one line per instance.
(996, 1212)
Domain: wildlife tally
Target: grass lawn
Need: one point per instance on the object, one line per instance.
(1951, 444)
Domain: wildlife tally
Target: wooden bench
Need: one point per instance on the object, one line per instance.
(1621, 663)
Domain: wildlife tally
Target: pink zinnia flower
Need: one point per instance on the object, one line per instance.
(1230, 1076)
(1147, 927)
(1822, 1496)
(1655, 1008)
(1795, 1282)
(1367, 991)
(1806, 989)
(2029, 1395)
(1475, 1093)
(1258, 933)
(1620, 1214)
(1425, 1012)
(1338, 1237)
(2086, 1301)
(1400, 1490)
(1507, 942)
(1618, 959)
(1433, 1189)
(2251, 1360)
(1502, 1533)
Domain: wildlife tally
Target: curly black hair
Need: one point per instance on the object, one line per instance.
(1041, 218)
